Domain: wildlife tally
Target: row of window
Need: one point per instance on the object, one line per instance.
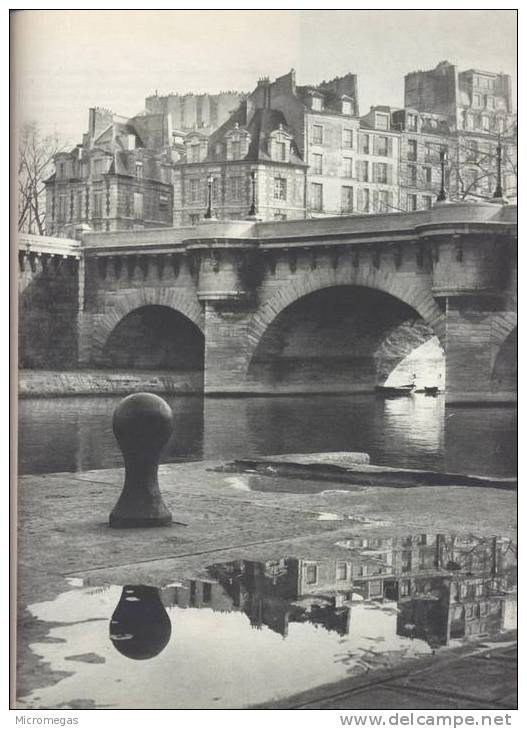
(346, 107)
(197, 189)
(99, 167)
(235, 151)
(430, 150)
(362, 200)
(415, 202)
(484, 83)
(484, 122)
(480, 101)
(237, 187)
(379, 145)
(366, 171)
(134, 205)
(418, 175)
(342, 570)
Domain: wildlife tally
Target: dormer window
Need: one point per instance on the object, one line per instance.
(237, 141)
(382, 121)
(98, 167)
(411, 122)
(279, 144)
(347, 107)
(316, 103)
(236, 149)
(194, 153)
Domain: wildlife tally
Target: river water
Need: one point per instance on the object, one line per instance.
(74, 434)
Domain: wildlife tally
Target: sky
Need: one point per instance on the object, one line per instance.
(64, 62)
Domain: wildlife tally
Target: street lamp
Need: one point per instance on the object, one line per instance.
(252, 209)
(442, 160)
(210, 182)
(498, 192)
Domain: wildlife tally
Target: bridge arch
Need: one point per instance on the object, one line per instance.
(502, 326)
(179, 302)
(415, 295)
(504, 352)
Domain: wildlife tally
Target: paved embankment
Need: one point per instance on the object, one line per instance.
(51, 383)
(483, 677)
(63, 533)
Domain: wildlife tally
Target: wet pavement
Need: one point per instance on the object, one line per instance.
(368, 597)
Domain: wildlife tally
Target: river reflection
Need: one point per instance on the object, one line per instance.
(249, 631)
(74, 434)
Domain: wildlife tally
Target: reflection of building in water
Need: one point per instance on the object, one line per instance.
(425, 421)
(446, 586)
(274, 593)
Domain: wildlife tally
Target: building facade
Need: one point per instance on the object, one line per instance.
(288, 151)
(252, 164)
(183, 112)
(352, 163)
(471, 114)
(112, 181)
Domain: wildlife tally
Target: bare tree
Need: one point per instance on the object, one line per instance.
(470, 166)
(35, 164)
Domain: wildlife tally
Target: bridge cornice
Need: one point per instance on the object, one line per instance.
(46, 245)
(483, 219)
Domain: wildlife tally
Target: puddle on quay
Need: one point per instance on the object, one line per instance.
(267, 483)
(248, 631)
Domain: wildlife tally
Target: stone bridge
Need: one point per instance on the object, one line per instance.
(328, 305)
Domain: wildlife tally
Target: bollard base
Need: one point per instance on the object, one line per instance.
(124, 522)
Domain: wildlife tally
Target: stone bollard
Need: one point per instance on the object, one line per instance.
(142, 424)
(140, 627)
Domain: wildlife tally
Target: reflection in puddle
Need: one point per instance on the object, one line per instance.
(140, 627)
(251, 631)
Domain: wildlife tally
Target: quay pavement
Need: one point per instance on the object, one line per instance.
(221, 515)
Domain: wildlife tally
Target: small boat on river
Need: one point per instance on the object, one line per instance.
(431, 391)
(395, 391)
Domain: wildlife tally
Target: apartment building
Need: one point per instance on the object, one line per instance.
(288, 151)
(251, 163)
(473, 113)
(112, 181)
(352, 162)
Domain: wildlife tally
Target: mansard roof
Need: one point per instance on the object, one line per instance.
(262, 123)
(119, 164)
(332, 101)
